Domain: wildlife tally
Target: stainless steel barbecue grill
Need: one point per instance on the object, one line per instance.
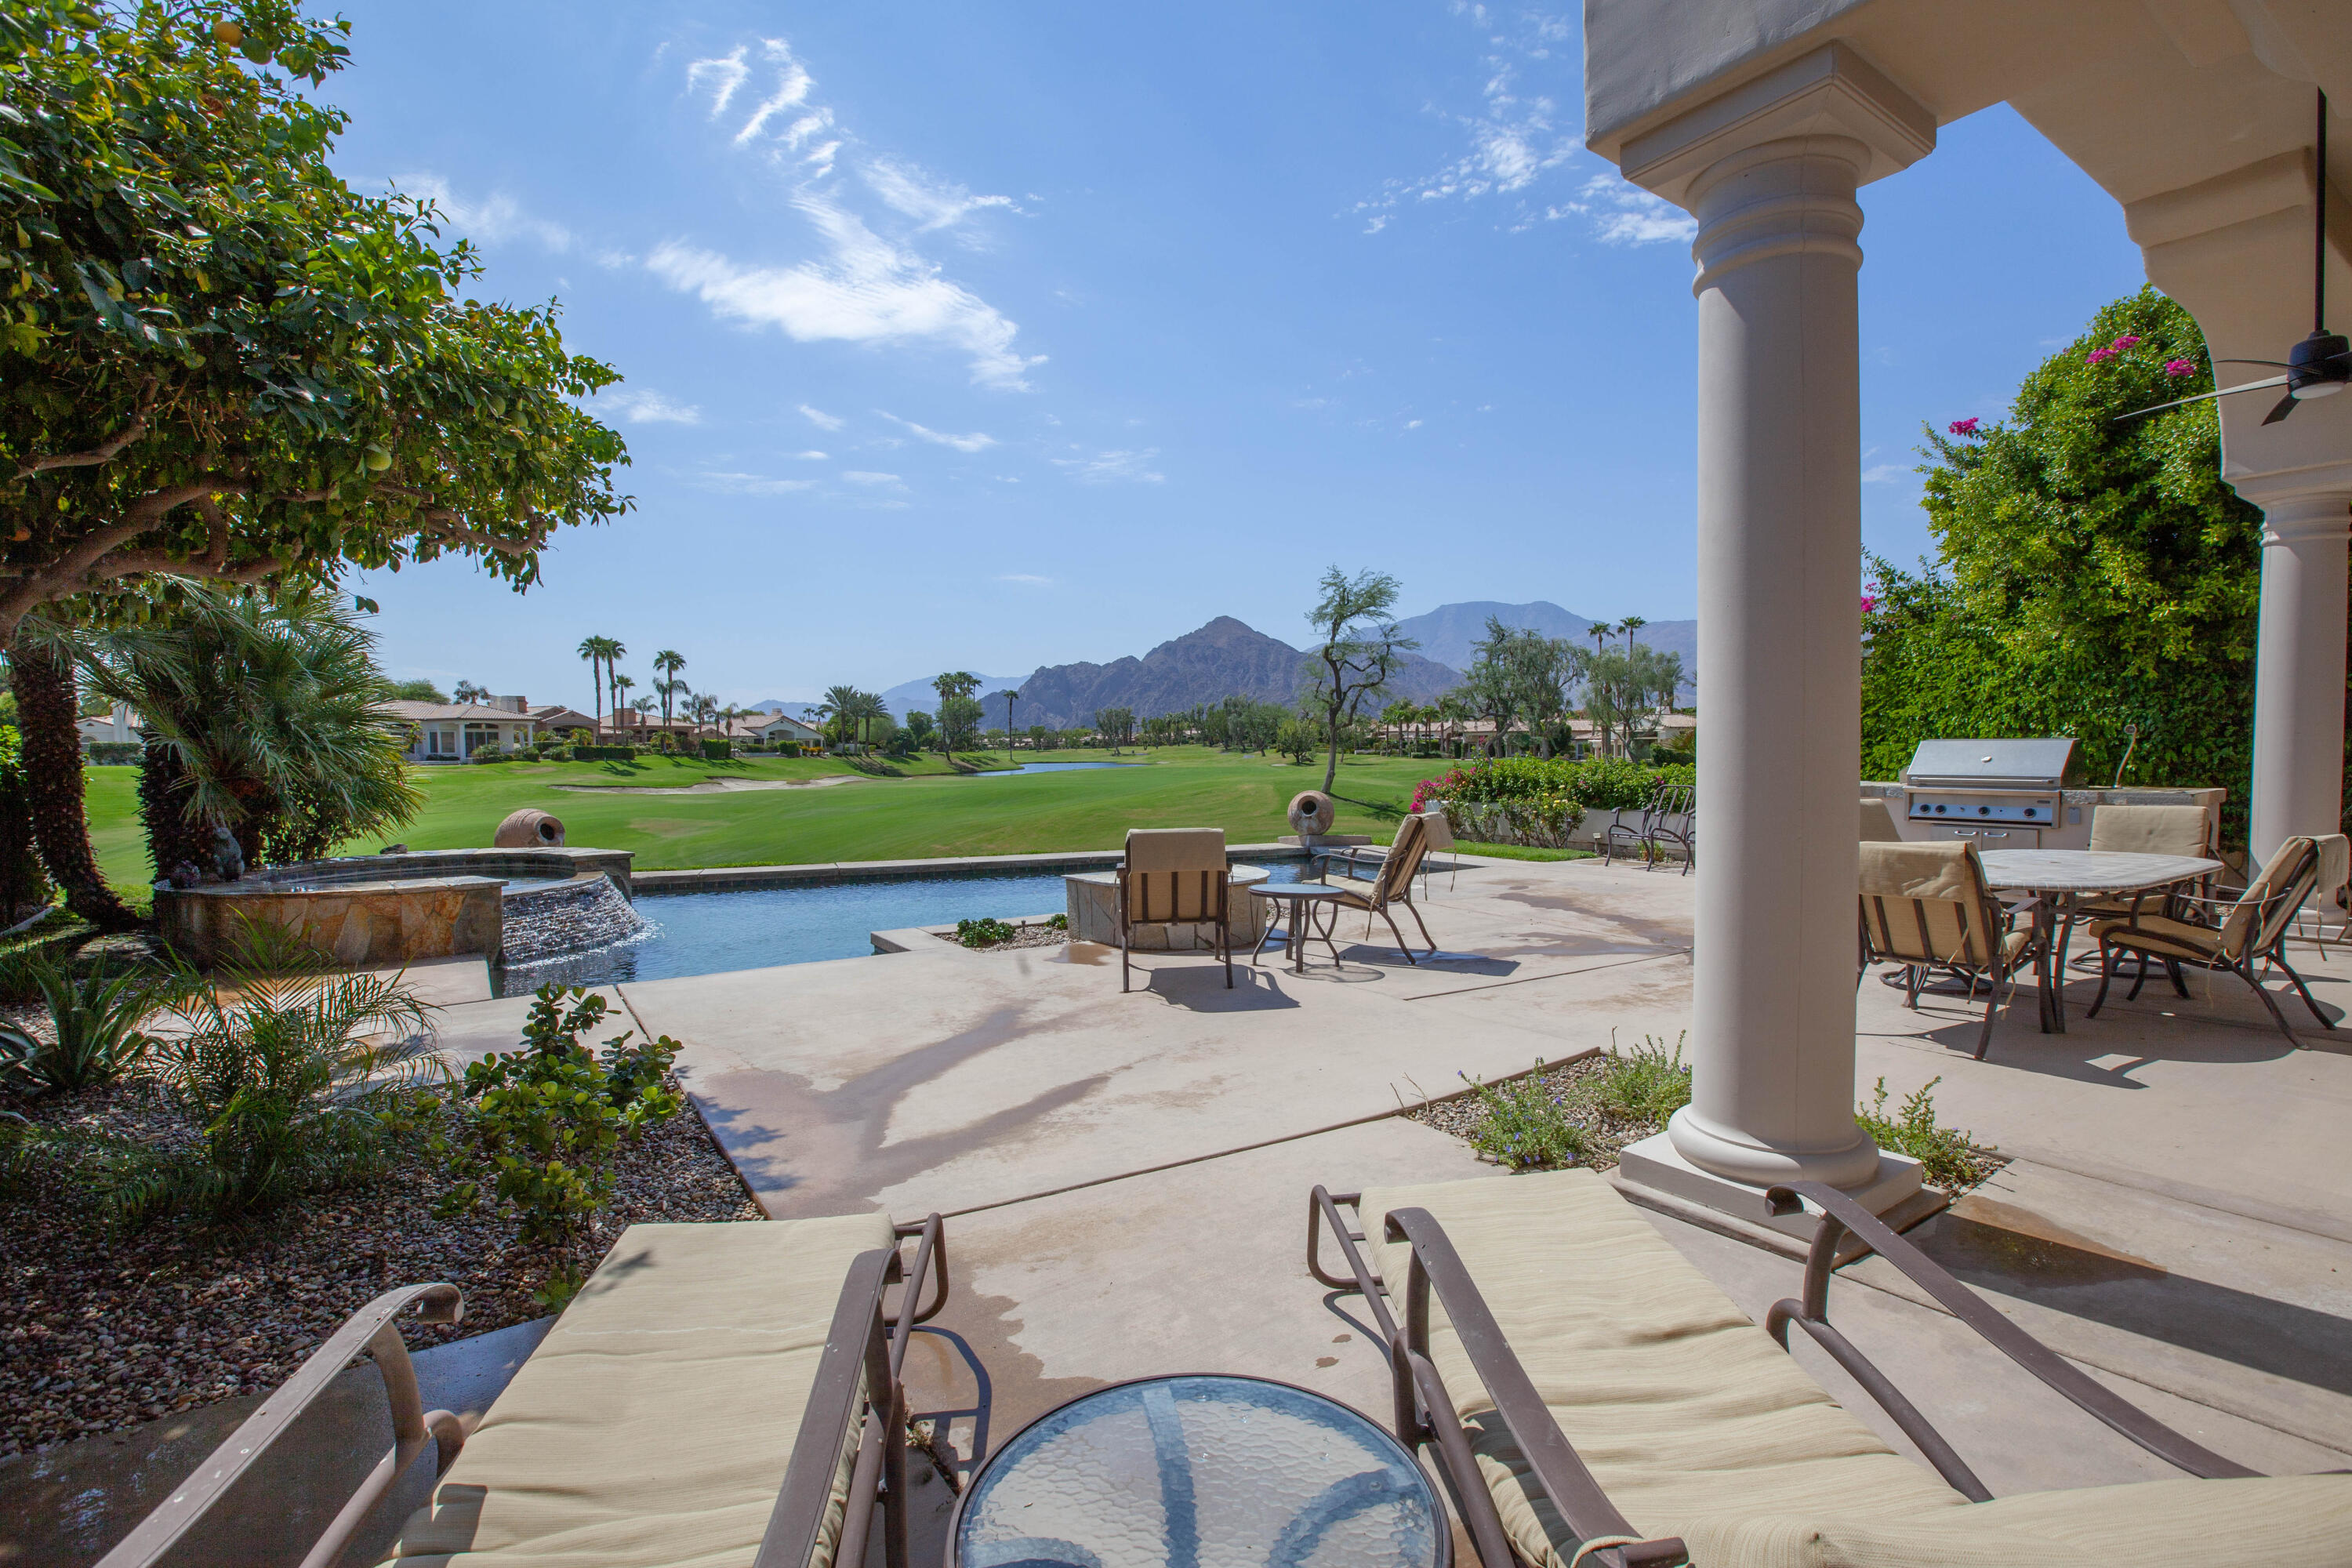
(2003, 793)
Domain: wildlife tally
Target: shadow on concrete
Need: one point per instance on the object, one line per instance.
(2011, 1251)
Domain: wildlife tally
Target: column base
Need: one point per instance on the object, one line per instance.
(1652, 1174)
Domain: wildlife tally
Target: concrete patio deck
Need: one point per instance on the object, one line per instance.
(1125, 1174)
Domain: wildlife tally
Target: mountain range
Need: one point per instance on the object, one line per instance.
(1226, 658)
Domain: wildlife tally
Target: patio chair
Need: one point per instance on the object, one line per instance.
(1590, 1397)
(2250, 928)
(713, 1393)
(1392, 885)
(1670, 817)
(1175, 875)
(1440, 834)
(1925, 905)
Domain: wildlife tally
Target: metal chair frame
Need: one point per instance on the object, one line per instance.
(1671, 815)
(1218, 882)
(1879, 944)
(865, 1350)
(1424, 1410)
(2272, 922)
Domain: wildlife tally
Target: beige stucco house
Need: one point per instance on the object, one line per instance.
(452, 731)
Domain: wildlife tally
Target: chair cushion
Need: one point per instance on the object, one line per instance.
(1681, 1406)
(652, 1427)
(1696, 1423)
(1354, 887)
(2161, 934)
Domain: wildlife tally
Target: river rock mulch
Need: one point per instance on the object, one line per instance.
(1022, 936)
(103, 1332)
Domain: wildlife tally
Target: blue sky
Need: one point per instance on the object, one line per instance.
(982, 337)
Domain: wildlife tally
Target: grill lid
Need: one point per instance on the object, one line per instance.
(1989, 765)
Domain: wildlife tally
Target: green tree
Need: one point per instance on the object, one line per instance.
(262, 717)
(1360, 648)
(2092, 573)
(667, 663)
(416, 691)
(598, 654)
(220, 362)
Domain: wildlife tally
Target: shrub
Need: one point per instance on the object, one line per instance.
(493, 755)
(1525, 1127)
(112, 754)
(1947, 1156)
(95, 1015)
(586, 754)
(1646, 1084)
(543, 1122)
(985, 933)
(717, 750)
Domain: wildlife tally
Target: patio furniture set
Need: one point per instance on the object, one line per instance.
(731, 1394)
(1988, 917)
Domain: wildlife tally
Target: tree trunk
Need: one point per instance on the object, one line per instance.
(53, 785)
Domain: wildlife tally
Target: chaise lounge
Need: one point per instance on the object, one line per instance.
(1592, 1398)
(716, 1394)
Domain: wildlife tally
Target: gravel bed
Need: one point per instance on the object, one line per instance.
(1570, 1083)
(1024, 936)
(105, 1332)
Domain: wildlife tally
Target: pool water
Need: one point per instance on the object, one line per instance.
(707, 934)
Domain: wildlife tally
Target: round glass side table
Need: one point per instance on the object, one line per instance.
(1200, 1472)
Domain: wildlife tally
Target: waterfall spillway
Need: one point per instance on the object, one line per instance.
(569, 917)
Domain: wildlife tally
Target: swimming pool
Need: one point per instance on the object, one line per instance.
(706, 933)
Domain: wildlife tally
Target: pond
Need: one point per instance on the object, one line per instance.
(706, 933)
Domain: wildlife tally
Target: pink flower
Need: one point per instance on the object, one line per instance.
(1869, 605)
(2178, 367)
(1964, 426)
(2127, 341)
(2098, 354)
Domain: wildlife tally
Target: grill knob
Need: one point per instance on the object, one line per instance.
(1984, 811)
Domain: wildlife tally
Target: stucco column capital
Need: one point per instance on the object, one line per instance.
(1831, 93)
(2312, 516)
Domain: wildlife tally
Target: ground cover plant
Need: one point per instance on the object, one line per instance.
(1948, 1157)
(921, 814)
(94, 1014)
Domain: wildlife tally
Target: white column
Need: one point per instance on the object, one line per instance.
(2299, 668)
(1780, 540)
(1771, 169)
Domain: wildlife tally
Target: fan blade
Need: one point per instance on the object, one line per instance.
(2285, 406)
(2224, 391)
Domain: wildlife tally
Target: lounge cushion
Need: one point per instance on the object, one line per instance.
(652, 1427)
(2161, 935)
(1696, 1423)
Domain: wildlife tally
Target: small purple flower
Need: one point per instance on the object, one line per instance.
(1967, 426)
(2179, 367)
(2127, 341)
(2096, 355)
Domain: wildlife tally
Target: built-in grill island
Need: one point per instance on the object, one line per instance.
(2005, 794)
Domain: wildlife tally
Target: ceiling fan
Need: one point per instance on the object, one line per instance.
(2320, 365)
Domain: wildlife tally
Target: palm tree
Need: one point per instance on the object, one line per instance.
(870, 706)
(838, 706)
(467, 691)
(667, 664)
(41, 675)
(1629, 626)
(1010, 699)
(702, 707)
(621, 684)
(1598, 632)
(599, 653)
(262, 717)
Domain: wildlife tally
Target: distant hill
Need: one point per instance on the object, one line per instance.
(1222, 660)
(905, 698)
(1449, 632)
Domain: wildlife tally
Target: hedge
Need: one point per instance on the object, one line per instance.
(1540, 801)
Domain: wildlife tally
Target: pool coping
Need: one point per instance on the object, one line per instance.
(728, 879)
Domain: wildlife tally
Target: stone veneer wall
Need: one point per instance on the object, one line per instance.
(361, 925)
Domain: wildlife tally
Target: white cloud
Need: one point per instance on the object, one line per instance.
(1031, 579)
(810, 456)
(858, 476)
(865, 290)
(1412, 424)
(1884, 474)
(822, 420)
(862, 286)
(1624, 213)
(931, 203)
(493, 220)
(752, 484)
(1110, 467)
(975, 442)
(646, 406)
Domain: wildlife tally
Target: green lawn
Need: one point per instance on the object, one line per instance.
(926, 813)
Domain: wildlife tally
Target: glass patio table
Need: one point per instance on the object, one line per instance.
(2065, 877)
(1200, 1472)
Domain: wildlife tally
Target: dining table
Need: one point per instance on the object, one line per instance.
(2064, 879)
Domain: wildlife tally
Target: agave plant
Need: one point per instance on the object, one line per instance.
(294, 1078)
(96, 1016)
